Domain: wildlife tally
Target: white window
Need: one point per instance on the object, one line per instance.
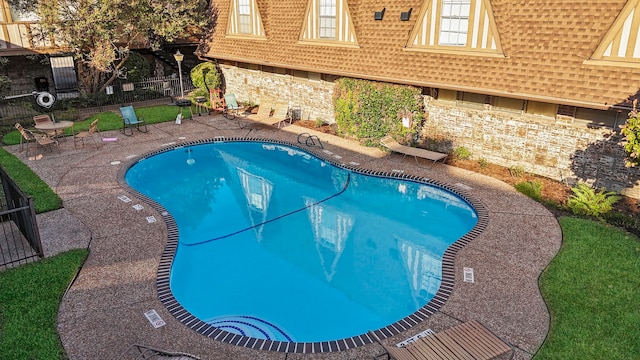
(327, 19)
(244, 17)
(454, 22)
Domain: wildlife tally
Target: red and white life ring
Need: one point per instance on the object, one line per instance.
(45, 99)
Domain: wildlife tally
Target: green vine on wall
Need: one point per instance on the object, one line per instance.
(631, 133)
(369, 110)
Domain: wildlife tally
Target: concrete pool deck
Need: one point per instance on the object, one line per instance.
(102, 313)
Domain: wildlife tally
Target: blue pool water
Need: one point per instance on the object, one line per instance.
(277, 244)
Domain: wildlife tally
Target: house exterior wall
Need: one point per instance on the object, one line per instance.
(540, 145)
(22, 72)
(314, 97)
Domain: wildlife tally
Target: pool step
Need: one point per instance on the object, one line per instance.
(250, 326)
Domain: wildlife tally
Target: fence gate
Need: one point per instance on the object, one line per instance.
(19, 236)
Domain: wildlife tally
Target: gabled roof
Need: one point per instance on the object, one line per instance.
(345, 34)
(483, 35)
(621, 44)
(543, 51)
(254, 21)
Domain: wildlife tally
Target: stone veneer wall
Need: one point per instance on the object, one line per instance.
(542, 146)
(22, 72)
(313, 97)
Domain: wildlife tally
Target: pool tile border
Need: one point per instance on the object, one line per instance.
(181, 314)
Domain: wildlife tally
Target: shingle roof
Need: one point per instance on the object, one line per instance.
(545, 42)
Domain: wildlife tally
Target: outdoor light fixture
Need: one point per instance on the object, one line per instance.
(405, 15)
(178, 56)
(378, 15)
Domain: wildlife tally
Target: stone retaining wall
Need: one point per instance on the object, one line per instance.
(313, 97)
(543, 146)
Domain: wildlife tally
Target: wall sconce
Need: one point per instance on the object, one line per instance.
(378, 15)
(405, 15)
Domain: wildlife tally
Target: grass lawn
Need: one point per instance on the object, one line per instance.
(111, 121)
(29, 303)
(592, 289)
(43, 196)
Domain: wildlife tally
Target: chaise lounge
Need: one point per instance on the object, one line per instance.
(391, 144)
(264, 110)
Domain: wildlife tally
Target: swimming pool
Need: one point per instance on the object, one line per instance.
(266, 230)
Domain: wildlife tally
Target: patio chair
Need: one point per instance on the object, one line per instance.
(280, 114)
(391, 144)
(232, 108)
(130, 120)
(45, 119)
(264, 110)
(216, 101)
(35, 137)
(469, 340)
(93, 128)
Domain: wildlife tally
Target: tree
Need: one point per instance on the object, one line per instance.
(631, 133)
(205, 75)
(101, 32)
(4, 79)
(137, 67)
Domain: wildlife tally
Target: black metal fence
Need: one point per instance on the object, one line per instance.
(70, 106)
(19, 236)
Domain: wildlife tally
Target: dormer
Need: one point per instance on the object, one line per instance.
(245, 21)
(456, 26)
(328, 22)
(621, 45)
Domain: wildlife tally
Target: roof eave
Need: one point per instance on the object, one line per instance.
(456, 87)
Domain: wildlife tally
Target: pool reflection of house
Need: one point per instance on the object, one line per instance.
(316, 229)
(331, 228)
(257, 191)
(423, 268)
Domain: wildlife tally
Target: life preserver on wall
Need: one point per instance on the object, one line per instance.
(45, 99)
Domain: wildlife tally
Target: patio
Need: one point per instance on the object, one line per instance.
(102, 314)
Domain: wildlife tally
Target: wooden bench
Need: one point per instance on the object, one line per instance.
(391, 144)
(467, 341)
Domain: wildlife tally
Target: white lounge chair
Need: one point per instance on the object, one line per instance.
(391, 144)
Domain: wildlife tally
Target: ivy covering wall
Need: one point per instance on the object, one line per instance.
(368, 110)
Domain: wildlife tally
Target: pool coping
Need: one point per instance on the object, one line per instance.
(183, 316)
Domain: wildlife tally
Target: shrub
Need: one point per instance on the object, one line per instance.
(631, 133)
(589, 202)
(206, 76)
(532, 189)
(516, 171)
(369, 110)
(483, 163)
(137, 67)
(461, 153)
(622, 220)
